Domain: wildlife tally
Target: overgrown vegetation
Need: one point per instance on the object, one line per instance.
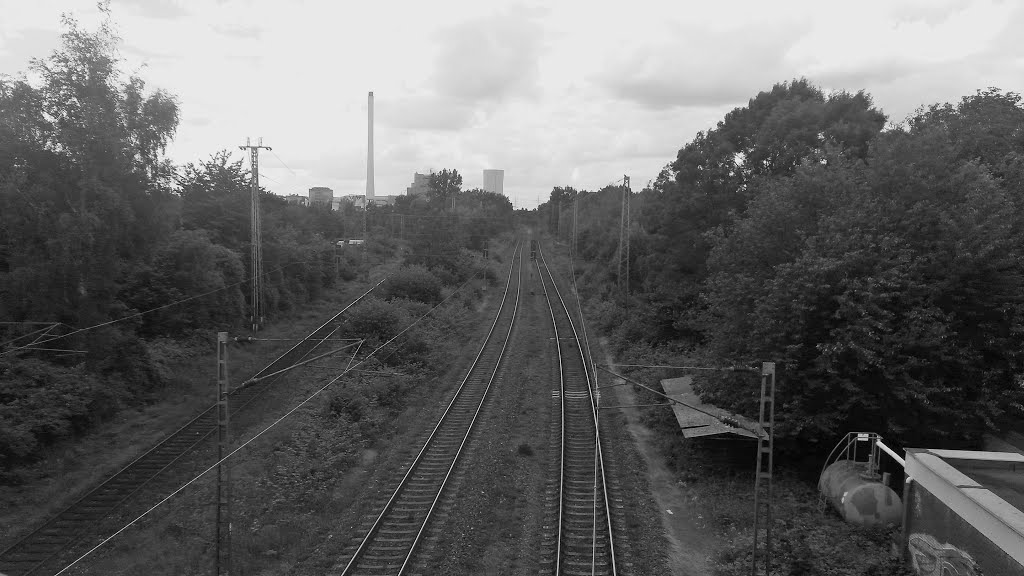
(881, 268)
(96, 224)
(301, 476)
(292, 488)
(415, 283)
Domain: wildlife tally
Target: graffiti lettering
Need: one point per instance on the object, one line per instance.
(933, 559)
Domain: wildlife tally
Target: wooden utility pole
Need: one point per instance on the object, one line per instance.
(223, 552)
(257, 237)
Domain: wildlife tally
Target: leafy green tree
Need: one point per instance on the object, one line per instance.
(186, 265)
(83, 189)
(883, 270)
(91, 218)
(216, 197)
(717, 173)
(443, 186)
(482, 215)
(890, 288)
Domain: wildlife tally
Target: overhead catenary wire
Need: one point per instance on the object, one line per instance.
(253, 339)
(254, 380)
(296, 191)
(674, 400)
(705, 368)
(586, 357)
(273, 424)
(31, 349)
(48, 326)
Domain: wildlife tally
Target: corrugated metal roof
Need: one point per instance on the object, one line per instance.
(695, 423)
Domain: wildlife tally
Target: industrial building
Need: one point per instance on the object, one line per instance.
(357, 200)
(320, 196)
(420, 184)
(494, 181)
(360, 200)
(297, 199)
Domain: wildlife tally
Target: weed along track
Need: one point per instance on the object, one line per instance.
(391, 541)
(578, 538)
(81, 522)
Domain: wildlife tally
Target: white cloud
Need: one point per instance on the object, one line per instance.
(555, 93)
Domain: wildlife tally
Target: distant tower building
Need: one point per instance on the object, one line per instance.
(320, 195)
(420, 184)
(494, 181)
(369, 150)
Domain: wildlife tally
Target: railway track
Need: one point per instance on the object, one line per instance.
(391, 541)
(582, 538)
(35, 553)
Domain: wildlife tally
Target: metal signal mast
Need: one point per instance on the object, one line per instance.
(257, 237)
(624, 240)
(223, 541)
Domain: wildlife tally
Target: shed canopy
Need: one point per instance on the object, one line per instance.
(695, 423)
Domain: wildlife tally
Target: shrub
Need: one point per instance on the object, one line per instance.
(186, 264)
(348, 403)
(374, 318)
(415, 350)
(349, 267)
(41, 403)
(114, 354)
(413, 283)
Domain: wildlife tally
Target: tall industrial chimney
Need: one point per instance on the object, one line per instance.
(369, 152)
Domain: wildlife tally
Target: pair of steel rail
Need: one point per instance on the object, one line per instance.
(36, 552)
(585, 541)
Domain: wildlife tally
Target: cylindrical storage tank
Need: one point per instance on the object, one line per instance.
(858, 497)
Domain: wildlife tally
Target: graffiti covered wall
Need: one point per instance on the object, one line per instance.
(941, 543)
(929, 558)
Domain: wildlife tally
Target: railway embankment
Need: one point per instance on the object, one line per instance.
(699, 494)
(70, 467)
(298, 488)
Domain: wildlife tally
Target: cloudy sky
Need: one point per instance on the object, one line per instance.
(555, 93)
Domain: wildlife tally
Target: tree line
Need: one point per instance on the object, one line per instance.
(98, 225)
(881, 265)
(443, 227)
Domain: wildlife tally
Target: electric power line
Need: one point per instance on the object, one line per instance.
(283, 164)
(296, 191)
(348, 369)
